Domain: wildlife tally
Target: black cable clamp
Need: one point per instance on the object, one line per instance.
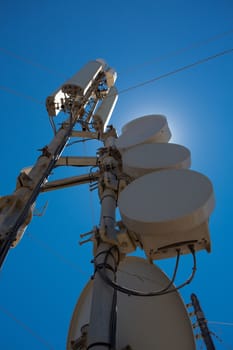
(105, 266)
(109, 253)
(108, 345)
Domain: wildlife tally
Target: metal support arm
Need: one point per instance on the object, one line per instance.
(71, 181)
(15, 209)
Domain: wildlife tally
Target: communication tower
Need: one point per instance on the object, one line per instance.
(164, 206)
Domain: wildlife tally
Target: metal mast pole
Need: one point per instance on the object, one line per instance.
(101, 333)
(202, 323)
(15, 209)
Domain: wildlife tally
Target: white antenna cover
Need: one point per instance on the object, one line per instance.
(82, 80)
(104, 111)
(167, 205)
(75, 86)
(163, 246)
(131, 123)
(146, 129)
(150, 323)
(102, 61)
(55, 102)
(146, 158)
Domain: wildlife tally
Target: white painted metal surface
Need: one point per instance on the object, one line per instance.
(146, 158)
(149, 323)
(147, 129)
(167, 200)
(104, 111)
(76, 161)
(73, 87)
(160, 119)
(82, 80)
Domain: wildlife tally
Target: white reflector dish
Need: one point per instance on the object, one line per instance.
(164, 206)
(146, 158)
(147, 129)
(149, 323)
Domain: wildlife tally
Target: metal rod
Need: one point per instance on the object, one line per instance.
(71, 181)
(85, 134)
(102, 328)
(103, 294)
(15, 208)
(76, 161)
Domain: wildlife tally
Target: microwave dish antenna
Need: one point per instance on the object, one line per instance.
(168, 209)
(146, 158)
(146, 129)
(160, 322)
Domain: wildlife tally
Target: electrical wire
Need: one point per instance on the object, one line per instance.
(26, 328)
(173, 276)
(133, 87)
(78, 141)
(20, 94)
(178, 70)
(113, 321)
(221, 323)
(220, 340)
(180, 51)
(29, 62)
(113, 312)
(216, 336)
(102, 271)
(166, 289)
(145, 63)
(56, 254)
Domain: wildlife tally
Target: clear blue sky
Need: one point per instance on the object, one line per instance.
(43, 43)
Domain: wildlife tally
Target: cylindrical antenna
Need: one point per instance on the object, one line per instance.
(104, 111)
(77, 85)
(82, 80)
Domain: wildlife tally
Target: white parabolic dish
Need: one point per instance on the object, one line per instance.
(149, 323)
(146, 158)
(166, 201)
(147, 129)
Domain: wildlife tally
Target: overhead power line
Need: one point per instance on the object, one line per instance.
(29, 62)
(180, 51)
(26, 328)
(56, 254)
(222, 323)
(194, 45)
(147, 82)
(20, 94)
(178, 70)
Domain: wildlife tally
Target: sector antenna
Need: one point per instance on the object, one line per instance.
(164, 206)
